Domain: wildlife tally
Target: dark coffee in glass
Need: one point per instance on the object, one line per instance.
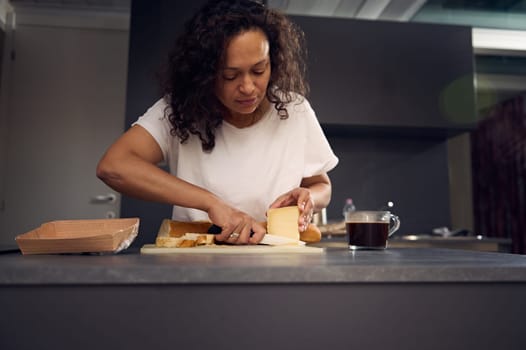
(370, 229)
(367, 234)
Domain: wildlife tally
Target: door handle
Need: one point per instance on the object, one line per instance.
(104, 198)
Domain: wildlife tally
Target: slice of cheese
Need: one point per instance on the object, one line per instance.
(284, 222)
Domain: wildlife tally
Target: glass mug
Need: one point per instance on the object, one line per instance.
(370, 229)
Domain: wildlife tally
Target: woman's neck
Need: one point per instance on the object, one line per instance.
(246, 120)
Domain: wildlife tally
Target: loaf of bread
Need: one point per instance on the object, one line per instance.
(179, 228)
(311, 235)
(181, 234)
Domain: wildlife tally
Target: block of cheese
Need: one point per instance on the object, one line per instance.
(284, 222)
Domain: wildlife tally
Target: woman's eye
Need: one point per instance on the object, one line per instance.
(259, 72)
(229, 77)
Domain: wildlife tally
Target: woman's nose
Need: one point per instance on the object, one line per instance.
(247, 85)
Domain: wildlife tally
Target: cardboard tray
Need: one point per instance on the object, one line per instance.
(79, 236)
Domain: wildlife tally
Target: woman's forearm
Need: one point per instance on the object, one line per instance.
(137, 178)
(129, 167)
(321, 190)
(321, 195)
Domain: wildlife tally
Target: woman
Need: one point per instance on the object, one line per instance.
(233, 126)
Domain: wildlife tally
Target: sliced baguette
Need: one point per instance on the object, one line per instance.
(180, 234)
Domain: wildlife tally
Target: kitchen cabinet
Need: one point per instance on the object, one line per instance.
(389, 77)
(399, 298)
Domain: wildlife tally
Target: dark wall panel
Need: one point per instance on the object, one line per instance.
(410, 172)
(2, 41)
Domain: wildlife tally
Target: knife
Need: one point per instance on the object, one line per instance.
(268, 239)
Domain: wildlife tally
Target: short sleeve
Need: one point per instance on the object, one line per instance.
(319, 157)
(156, 122)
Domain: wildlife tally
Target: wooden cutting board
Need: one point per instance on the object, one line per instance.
(233, 249)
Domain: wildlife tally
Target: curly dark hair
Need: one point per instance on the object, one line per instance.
(192, 68)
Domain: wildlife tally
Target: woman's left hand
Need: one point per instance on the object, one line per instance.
(301, 197)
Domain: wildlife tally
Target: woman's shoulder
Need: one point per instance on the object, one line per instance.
(161, 106)
(299, 112)
(298, 105)
(160, 110)
(293, 101)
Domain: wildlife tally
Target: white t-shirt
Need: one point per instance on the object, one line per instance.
(248, 167)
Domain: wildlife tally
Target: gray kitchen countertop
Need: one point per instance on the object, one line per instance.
(333, 266)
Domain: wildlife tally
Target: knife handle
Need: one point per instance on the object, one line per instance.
(215, 230)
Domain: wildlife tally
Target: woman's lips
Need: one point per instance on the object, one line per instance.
(247, 102)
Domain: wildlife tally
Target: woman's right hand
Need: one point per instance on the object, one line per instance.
(236, 225)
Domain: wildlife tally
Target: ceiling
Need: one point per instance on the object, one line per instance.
(495, 14)
(401, 10)
(502, 14)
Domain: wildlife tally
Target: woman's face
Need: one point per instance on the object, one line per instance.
(243, 77)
